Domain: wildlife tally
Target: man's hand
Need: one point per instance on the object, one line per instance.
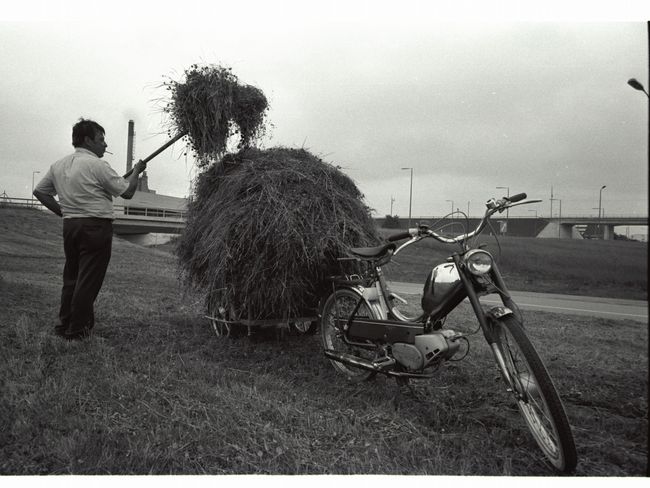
(139, 167)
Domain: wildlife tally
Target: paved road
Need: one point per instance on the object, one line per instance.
(571, 304)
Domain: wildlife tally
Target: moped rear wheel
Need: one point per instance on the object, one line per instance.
(341, 304)
(536, 396)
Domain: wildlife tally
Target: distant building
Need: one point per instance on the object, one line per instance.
(143, 183)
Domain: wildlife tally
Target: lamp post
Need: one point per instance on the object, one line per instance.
(559, 221)
(392, 200)
(507, 210)
(551, 214)
(32, 194)
(600, 206)
(410, 195)
(452, 206)
(634, 83)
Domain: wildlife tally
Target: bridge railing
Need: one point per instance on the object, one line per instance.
(6, 201)
(136, 210)
(165, 213)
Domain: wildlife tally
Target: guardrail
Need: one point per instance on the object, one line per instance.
(165, 213)
(19, 202)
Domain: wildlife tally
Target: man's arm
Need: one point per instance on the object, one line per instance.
(132, 178)
(49, 202)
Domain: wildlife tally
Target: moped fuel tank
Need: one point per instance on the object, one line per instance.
(442, 282)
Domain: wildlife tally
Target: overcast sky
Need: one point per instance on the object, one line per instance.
(470, 105)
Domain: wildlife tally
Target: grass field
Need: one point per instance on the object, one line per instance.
(154, 391)
(615, 269)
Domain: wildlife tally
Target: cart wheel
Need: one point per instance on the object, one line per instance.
(305, 327)
(225, 329)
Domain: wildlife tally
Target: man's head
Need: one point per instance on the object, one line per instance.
(89, 135)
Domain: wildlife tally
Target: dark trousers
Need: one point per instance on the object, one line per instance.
(87, 245)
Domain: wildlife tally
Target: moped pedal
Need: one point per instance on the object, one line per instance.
(384, 363)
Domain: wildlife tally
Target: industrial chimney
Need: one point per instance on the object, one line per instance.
(129, 147)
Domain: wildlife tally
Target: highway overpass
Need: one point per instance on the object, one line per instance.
(569, 227)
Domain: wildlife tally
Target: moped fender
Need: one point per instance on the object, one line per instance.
(356, 288)
(498, 312)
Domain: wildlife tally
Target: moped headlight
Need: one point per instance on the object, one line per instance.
(478, 262)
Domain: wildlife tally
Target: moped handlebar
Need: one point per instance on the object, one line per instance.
(492, 205)
(516, 198)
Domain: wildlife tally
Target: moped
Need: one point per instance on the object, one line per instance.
(363, 331)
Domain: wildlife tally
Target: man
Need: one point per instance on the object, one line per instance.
(86, 185)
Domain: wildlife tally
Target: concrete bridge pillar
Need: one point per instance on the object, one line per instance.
(608, 232)
(555, 230)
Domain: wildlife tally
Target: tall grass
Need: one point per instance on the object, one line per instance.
(154, 391)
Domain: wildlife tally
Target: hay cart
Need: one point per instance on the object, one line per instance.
(227, 322)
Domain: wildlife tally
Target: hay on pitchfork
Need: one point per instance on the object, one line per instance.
(265, 228)
(211, 105)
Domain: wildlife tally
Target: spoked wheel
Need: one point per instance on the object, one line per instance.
(304, 327)
(341, 304)
(536, 396)
(223, 321)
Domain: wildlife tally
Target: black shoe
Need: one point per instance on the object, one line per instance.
(78, 336)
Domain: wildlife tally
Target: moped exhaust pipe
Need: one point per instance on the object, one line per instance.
(376, 366)
(342, 357)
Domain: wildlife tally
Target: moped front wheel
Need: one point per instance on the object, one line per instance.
(341, 304)
(536, 396)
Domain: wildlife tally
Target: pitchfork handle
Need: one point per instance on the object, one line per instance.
(157, 151)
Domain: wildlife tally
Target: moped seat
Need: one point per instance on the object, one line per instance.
(376, 252)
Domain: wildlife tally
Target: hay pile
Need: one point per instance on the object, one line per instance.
(265, 227)
(210, 105)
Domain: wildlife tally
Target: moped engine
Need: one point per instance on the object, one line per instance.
(438, 345)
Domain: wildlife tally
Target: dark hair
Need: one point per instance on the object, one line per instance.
(85, 128)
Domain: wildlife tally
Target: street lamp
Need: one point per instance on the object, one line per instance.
(32, 195)
(452, 206)
(600, 206)
(560, 217)
(410, 196)
(559, 221)
(634, 83)
(507, 210)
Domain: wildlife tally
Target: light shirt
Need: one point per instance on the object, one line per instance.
(85, 185)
